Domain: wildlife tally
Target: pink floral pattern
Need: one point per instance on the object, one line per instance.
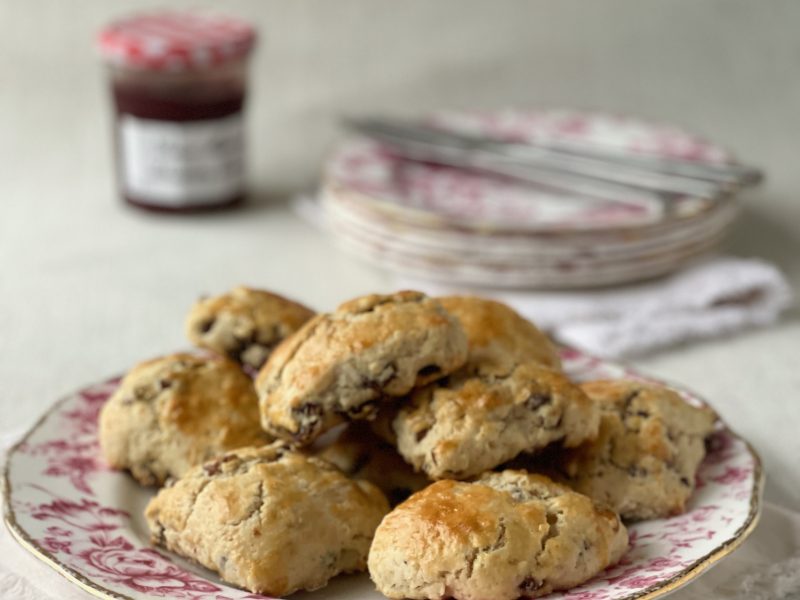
(143, 570)
(449, 225)
(88, 518)
(77, 456)
(468, 198)
(93, 540)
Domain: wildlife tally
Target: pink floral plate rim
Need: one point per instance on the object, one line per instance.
(631, 244)
(444, 197)
(93, 543)
(567, 275)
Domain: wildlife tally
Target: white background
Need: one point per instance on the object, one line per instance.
(88, 286)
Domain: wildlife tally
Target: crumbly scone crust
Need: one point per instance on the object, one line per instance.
(340, 365)
(174, 412)
(498, 335)
(649, 447)
(468, 423)
(269, 519)
(360, 454)
(244, 324)
(506, 536)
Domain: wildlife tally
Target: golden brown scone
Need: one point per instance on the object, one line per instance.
(174, 412)
(269, 519)
(340, 365)
(468, 423)
(361, 454)
(506, 536)
(498, 335)
(244, 324)
(644, 460)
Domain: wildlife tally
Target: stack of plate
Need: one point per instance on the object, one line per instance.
(441, 223)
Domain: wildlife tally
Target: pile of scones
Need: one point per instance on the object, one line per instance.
(435, 442)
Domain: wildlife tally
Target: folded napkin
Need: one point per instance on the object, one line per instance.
(719, 296)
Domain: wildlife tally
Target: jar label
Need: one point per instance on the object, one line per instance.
(173, 163)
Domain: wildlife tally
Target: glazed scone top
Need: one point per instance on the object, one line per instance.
(244, 324)
(508, 535)
(498, 335)
(173, 412)
(651, 408)
(339, 365)
(471, 422)
(650, 444)
(269, 519)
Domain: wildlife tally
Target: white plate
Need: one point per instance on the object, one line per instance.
(65, 506)
(561, 275)
(488, 251)
(347, 211)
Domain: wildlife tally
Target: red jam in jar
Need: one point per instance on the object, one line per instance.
(179, 82)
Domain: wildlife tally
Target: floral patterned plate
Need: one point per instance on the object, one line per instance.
(445, 197)
(481, 266)
(447, 224)
(347, 210)
(68, 508)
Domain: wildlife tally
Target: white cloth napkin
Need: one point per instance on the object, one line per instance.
(719, 296)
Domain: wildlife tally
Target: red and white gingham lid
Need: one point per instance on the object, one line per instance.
(175, 41)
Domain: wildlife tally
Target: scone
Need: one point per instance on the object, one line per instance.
(244, 324)
(361, 454)
(644, 460)
(498, 335)
(171, 413)
(340, 365)
(471, 422)
(506, 536)
(269, 519)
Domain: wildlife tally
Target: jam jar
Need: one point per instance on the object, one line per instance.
(178, 82)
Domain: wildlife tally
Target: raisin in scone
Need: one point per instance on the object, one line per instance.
(471, 422)
(244, 324)
(506, 536)
(174, 412)
(644, 460)
(361, 454)
(340, 365)
(269, 519)
(498, 335)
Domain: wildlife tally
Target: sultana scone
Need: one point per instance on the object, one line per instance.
(508, 535)
(244, 324)
(361, 454)
(644, 460)
(269, 519)
(471, 422)
(174, 412)
(339, 366)
(498, 335)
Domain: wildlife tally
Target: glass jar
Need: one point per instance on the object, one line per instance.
(178, 83)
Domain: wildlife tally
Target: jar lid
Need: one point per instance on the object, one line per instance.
(175, 41)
